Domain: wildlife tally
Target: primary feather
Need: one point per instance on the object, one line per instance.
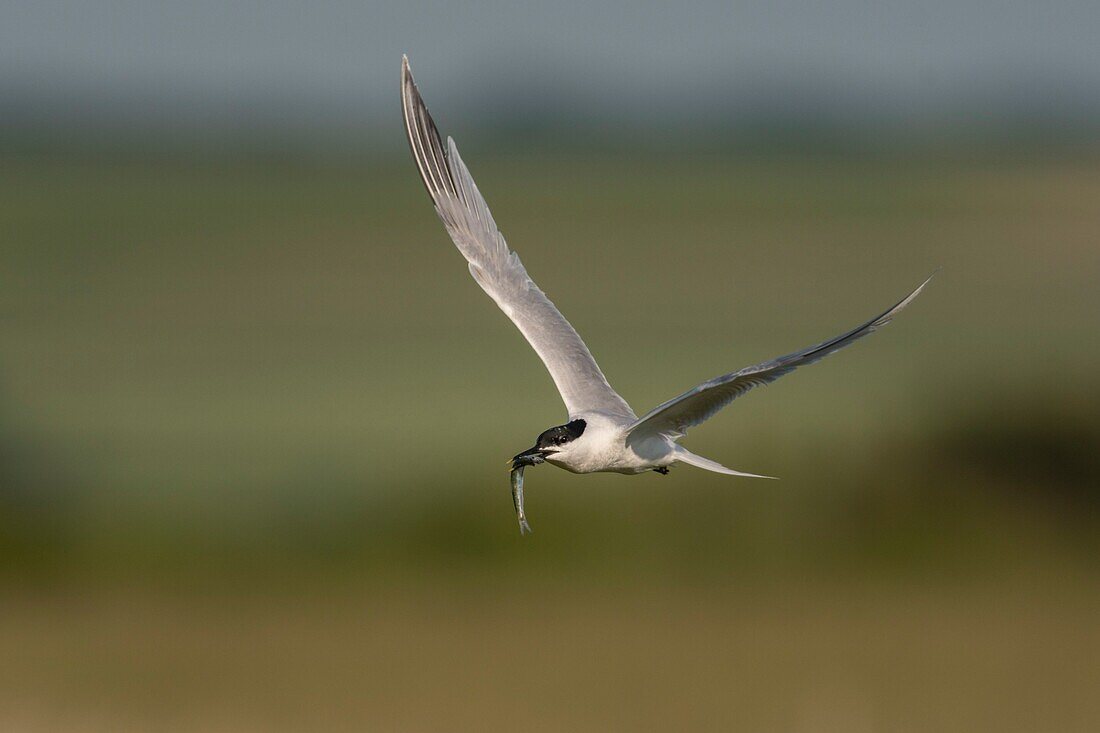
(498, 270)
(699, 403)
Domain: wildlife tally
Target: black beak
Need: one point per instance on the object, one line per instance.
(529, 457)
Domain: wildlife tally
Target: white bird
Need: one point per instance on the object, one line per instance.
(603, 433)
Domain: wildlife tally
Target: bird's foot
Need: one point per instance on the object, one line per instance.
(663, 470)
(524, 527)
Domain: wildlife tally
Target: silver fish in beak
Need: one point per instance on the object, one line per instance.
(530, 457)
(517, 499)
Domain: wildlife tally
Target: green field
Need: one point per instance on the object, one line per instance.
(254, 417)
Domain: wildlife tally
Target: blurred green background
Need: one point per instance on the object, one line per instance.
(254, 413)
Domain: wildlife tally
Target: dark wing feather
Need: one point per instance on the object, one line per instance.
(702, 402)
(497, 269)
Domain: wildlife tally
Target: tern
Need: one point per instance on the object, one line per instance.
(603, 433)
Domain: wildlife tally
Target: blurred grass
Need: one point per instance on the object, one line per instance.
(231, 354)
(226, 388)
(481, 655)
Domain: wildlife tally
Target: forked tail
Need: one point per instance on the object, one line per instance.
(685, 456)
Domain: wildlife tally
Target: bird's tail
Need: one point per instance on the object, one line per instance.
(685, 456)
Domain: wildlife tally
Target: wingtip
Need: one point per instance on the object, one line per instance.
(913, 295)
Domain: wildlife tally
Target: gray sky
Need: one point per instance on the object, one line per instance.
(332, 65)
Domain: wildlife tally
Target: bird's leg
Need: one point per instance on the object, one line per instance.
(663, 470)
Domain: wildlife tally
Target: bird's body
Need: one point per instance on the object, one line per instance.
(603, 447)
(603, 432)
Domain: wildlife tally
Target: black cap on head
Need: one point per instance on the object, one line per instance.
(549, 443)
(561, 434)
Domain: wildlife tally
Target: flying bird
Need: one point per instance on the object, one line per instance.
(603, 433)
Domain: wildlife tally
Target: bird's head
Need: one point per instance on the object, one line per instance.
(554, 440)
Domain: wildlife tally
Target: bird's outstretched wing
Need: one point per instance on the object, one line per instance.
(498, 270)
(674, 417)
